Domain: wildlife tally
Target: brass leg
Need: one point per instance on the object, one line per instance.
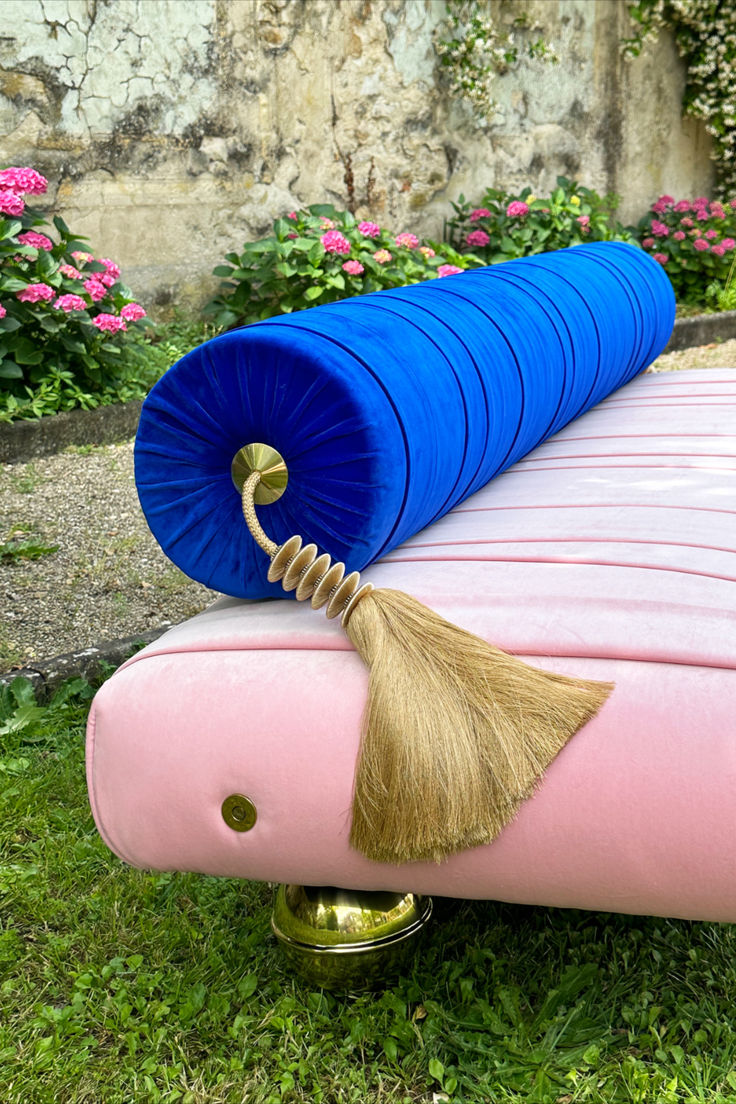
(346, 939)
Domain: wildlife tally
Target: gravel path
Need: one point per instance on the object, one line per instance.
(107, 577)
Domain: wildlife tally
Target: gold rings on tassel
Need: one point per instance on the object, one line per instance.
(300, 568)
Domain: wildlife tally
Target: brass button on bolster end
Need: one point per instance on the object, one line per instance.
(239, 812)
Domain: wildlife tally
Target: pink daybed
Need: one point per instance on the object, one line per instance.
(609, 552)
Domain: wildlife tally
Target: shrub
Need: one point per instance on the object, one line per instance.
(693, 240)
(320, 255)
(504, 225)
(66, 319)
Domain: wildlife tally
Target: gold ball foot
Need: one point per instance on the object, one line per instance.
(346, 939)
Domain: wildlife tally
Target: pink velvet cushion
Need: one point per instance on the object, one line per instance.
(609, 552)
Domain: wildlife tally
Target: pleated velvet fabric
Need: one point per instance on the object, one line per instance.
(391, 408)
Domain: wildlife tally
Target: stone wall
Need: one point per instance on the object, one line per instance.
(172, 130)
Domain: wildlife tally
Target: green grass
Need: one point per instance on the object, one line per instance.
(124, 987)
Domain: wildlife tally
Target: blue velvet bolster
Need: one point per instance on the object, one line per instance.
(390, 408)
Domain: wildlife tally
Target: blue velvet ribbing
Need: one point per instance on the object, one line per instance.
(391, 408)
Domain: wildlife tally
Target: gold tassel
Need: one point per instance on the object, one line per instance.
(456, 733)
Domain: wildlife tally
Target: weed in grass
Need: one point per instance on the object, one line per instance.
(27, 479)
(15, 549)
(81, 450)
(123, 986)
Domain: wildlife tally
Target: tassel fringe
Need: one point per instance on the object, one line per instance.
(456, 733)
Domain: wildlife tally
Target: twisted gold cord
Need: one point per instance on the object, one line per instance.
(302, 568)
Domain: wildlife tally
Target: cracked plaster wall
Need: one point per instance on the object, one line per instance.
(172, 130)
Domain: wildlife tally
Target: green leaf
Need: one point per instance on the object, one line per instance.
(25, 352)
(436, 1069)
(46, 263)
(61, 226)
(222, 270)
(313, 292)
(325, 210)
(9, 370)
(9, 228)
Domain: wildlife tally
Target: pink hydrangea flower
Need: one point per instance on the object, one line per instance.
(24, 181)
(661, 258)
(659, 229)
(109, 323)
(105, 278)
(112, 268)
(700, 201)
(679, 235)
(36, 292)
(667, 200)
(38, 241)
(95, 289)
(681, 206)
(728, 244)
(517, 209)
(686, 222)
(382, 256)
(11, 204)
(710, 234)
(335, 242)
(733, 203)
(408, 241)
(3, 311)
(659, 207)
(701, 245)
(353, 268)
(426, 252)
(326, 224)
(291, 215)
(719, 250)
(69, 303)
(448, 270)
(583, 219)
(369, 229)
(648, 243)
(478, 237)
(701, 214)
(131, 312)
(70, 271)
(479, 213)
(82, 257)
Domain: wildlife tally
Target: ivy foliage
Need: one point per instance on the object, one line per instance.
(475, 46)
(705, 33)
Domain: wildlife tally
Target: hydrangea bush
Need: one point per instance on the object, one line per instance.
(65, 315)
(505, 225)
(319, 255)
(694, 240)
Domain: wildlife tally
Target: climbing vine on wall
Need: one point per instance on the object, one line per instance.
(475, 46)
(705, 32)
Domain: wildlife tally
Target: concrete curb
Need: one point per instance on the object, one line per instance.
(702, 329)
(48, 674)
(27, 440)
